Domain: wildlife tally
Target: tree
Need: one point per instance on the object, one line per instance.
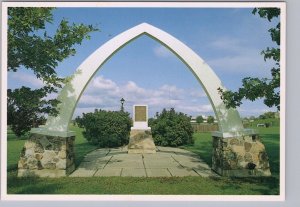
(26, 113)
(255, 88)
(210, 119)
(267, 115)
(171, 128)
(31, 47)
(199, 119)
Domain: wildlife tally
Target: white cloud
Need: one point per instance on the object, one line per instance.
(133, 88)
(196, 109)
(162, 51)
(192, 102)
(106, 84)
(105, 94)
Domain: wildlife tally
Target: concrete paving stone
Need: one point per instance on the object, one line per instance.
(133, 172)
(104, 150)
(125, 164)
(82, 172)
(190, 161)
(90, 158)
(99, 151)
(118, 149)
(161, 164)
(88, 165)
(192, 166)
(96, 164)
(185, 158)
(107, 172)
(130, 157)
(96, 159)
(159, 172)
(114, 153)
(181, 172)
(116, 162)
(157, 155)
(170, 149)
(201, 166)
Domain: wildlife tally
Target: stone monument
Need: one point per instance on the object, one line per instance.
(141, 140)
(236, 151)
(47, 156)
(239, 155)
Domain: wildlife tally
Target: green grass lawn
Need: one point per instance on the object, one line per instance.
(158, 186)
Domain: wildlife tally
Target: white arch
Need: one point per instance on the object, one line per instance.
(228, 119)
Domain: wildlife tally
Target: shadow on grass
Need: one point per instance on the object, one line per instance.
(31, 185)
(203, 148)
(272, 144)
(81, 150)
(12, 167)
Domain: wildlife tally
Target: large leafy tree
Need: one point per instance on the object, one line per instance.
(267, 88)
(31, 47)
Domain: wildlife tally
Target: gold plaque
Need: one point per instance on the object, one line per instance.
(140, 113)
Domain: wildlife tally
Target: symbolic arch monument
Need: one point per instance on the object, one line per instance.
(50, 150)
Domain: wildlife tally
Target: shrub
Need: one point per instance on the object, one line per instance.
(106, 128)
(171, 128)
(210, 119)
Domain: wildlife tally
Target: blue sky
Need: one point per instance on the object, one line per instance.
(229, 40)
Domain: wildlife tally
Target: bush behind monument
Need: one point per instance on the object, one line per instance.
(106, 128)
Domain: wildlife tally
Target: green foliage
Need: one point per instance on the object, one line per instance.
(41, 53)
(79, 122)
(32, 48)
(171, 128)
(106, 128)
(267, 115)
(25, 113)
(150, 121)
(210, 119)
(199, 119)
(255, 88)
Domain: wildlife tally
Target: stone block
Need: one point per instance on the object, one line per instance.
(241, 156)
(141, 141)
(47, 156)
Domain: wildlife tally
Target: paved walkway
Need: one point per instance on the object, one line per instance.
(166, 162)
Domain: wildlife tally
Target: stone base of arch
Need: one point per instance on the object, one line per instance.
(240, 156)
(47, 156)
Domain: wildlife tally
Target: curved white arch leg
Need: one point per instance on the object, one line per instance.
(228, 119)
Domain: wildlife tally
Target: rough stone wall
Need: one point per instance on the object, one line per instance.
(240, 157)
(47, 156)
(141, 141)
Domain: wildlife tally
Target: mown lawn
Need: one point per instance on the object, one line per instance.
(154, 186)
(142, 186)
